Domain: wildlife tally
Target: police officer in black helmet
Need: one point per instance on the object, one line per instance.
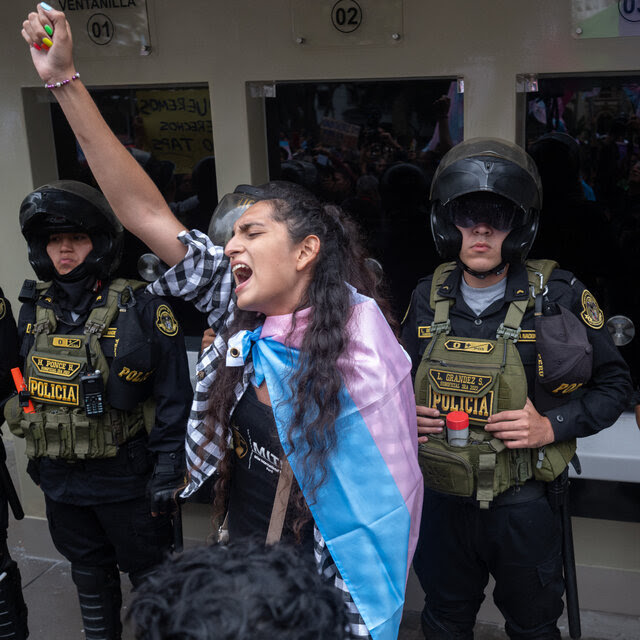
(520, 347)
(106, 369)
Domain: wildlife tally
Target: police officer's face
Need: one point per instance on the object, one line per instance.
(68, 250)
(271, 272)
(481, 246)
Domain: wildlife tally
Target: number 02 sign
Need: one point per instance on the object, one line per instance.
(346, 16)
(113, 28)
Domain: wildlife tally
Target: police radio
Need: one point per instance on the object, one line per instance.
(92, 388)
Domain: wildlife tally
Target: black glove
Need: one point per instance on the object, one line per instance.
(167, 480)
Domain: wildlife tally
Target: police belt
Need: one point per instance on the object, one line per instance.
(527, 492)
(531, 490)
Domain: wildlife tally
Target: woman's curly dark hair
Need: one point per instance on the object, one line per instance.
(239, 591)
(317, 381)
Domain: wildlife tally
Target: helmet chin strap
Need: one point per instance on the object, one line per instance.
(499, 269)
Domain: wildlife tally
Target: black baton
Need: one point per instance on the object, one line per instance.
(7, 485)
(559, 499)
(569, 562)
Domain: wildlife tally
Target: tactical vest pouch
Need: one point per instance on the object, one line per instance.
(484, 468)
(553, 459)
(81, 432)
(446, 471)
(32, 426)
(57, 428)
(13, 415)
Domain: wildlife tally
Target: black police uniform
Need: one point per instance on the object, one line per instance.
(13, 611)
(98, 511)
(518, 539)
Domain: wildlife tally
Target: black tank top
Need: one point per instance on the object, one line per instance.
(255, 473)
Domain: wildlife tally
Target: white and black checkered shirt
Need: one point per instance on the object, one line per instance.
(204, 278)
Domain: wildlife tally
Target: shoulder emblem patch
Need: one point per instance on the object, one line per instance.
(3, 308)
(424, 332)
(110, 332)
(166, 321)
(591, 312)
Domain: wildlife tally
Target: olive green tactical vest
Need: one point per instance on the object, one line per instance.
(60, 428)
(480, 377)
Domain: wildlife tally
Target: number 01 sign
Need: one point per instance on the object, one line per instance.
(111, 28)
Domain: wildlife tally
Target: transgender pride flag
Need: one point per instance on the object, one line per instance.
(368, 508)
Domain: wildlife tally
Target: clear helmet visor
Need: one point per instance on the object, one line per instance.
(229, 209)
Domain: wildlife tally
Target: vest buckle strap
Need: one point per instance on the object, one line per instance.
(441, 327)
(509, 333)
(542, 288)
(94, 327)
(43, 326)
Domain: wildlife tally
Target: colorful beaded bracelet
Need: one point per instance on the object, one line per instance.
(57, 85)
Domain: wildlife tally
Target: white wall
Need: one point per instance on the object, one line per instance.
(227, 44)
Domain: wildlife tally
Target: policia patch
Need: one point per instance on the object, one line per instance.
(591, 312)
(53, 392)
(165, 321)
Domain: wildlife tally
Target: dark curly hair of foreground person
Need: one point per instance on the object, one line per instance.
(239, 591)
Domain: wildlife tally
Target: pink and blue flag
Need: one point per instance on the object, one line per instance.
(368, 507)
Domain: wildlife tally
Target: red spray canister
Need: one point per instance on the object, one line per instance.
(458, 428)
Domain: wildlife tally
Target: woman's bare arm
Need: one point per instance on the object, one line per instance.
(131, 193)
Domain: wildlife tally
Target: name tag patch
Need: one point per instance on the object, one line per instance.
(56, 392)
(527, 335)
(66, 343)
(472, 346)
(54, 367)
(452, 381)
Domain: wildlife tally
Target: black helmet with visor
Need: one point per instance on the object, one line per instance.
(490, 166)
(67, 206)
(229, 209)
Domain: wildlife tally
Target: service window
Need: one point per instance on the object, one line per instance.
(168, 131)
(371, 147)
(584, 133)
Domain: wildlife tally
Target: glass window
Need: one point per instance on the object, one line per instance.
(371, 147)
(584, 133)
(168, 131)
